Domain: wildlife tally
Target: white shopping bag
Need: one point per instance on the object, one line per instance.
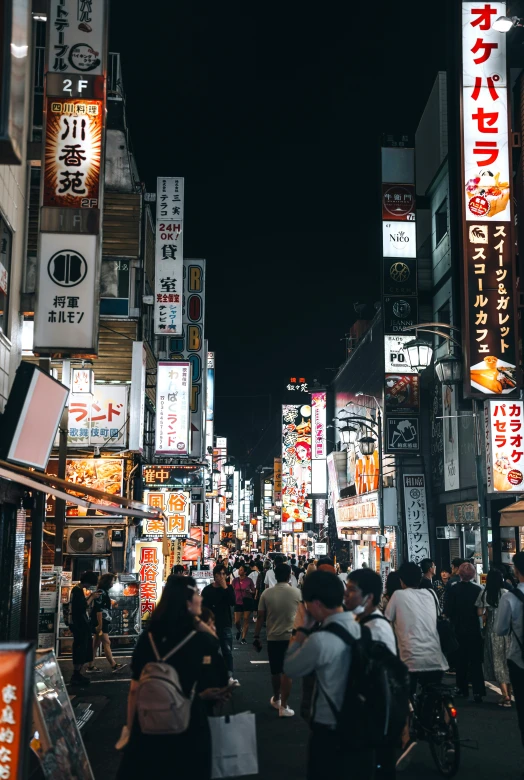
(234, 742)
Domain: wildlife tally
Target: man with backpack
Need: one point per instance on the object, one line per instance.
(362, 597)
(510, 621)
(329, 656)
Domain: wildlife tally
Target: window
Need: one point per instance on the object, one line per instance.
(114, 286)
(444, 316)
(441, 221)
(6, 241)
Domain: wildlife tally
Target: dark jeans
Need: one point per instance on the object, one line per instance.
(326, 752)
(468, 666)
(516, 675)
(226, 645)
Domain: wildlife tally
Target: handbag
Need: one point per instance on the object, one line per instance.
(446, 632)
(234, 745)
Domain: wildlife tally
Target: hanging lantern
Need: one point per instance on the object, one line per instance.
(419, 354)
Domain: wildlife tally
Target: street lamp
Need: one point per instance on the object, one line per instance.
(419, 354)
(448, 370)
(505, 23)
(229, 468)
(367, 445)
(348, 434)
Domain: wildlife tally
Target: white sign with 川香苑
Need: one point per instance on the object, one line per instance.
(76, 36)
(169, 256)
(504, 429)
(487, 173)
(173, 391)
(416, 508)
(66, 317)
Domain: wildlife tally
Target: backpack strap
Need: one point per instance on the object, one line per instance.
(173, 650)
(340, 631)
(367, 618)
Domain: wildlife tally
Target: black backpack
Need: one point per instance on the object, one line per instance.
(376, 699)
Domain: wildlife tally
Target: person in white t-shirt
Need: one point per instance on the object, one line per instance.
(343, 574)
(270, 580)
(413, 613)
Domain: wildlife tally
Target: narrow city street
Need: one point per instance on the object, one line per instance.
(488, 732)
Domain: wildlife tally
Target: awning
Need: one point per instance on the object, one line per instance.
(512, 515)
(48, 483)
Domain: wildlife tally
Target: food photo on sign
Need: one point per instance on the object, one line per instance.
(402, 392)
(505, 446)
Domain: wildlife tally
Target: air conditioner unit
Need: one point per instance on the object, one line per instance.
(447, 532)
(91, 541)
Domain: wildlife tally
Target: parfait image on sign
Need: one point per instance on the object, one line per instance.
(493, 375)
(487, 195)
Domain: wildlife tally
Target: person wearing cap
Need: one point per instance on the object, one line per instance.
(461, 609)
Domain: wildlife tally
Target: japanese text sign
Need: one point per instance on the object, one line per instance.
(398, 202)
(176, 505)
(173, 390)
(318, 414)
(100, 418)
(169, 256)
(16, 661)
(485, 114)
(66, 317)
(416, 517)
(296, 463)
(73, 149)
(76, 36)
(490, 307)
(504, 446)
(149, 563)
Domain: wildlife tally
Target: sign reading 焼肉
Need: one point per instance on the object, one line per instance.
(416, 509)
(173, 391)
(169, 256)
(489, 265)
(504, 430)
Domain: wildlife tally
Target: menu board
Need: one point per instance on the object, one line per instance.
(106, 474)
(59, 745)
(125, 597)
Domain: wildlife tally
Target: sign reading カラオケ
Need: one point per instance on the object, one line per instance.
(169, 255)
(173, 390)
(489, 264)
(504, 428)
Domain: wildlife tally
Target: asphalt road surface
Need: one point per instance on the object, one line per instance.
(490, 738)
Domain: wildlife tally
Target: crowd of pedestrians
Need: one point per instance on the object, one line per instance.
(326, 627)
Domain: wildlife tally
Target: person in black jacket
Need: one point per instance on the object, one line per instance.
(176, 616)
(219, 597)
(460, 607)
(80, 626)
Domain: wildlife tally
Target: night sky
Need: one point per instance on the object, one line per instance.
(273, 113)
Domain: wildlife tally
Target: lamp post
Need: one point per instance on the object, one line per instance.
(448, 369)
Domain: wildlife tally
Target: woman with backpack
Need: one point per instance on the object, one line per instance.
(174, 626)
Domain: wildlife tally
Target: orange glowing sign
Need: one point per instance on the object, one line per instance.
(73, 147)
(14, 689)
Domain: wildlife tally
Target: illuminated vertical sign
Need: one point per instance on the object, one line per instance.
(190, 346)
(69, 246)
(319, 443)
(296, 463)
(149, 563)
(504, 427)
(210, 400)
(490, 333)
(169, 256)
(173, 391)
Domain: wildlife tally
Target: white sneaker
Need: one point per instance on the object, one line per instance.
(285, 712)
(275, 703)
(233, 683)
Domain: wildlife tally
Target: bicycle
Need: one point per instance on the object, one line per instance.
(434, 719)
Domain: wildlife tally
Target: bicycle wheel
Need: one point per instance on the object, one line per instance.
(443, 738)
